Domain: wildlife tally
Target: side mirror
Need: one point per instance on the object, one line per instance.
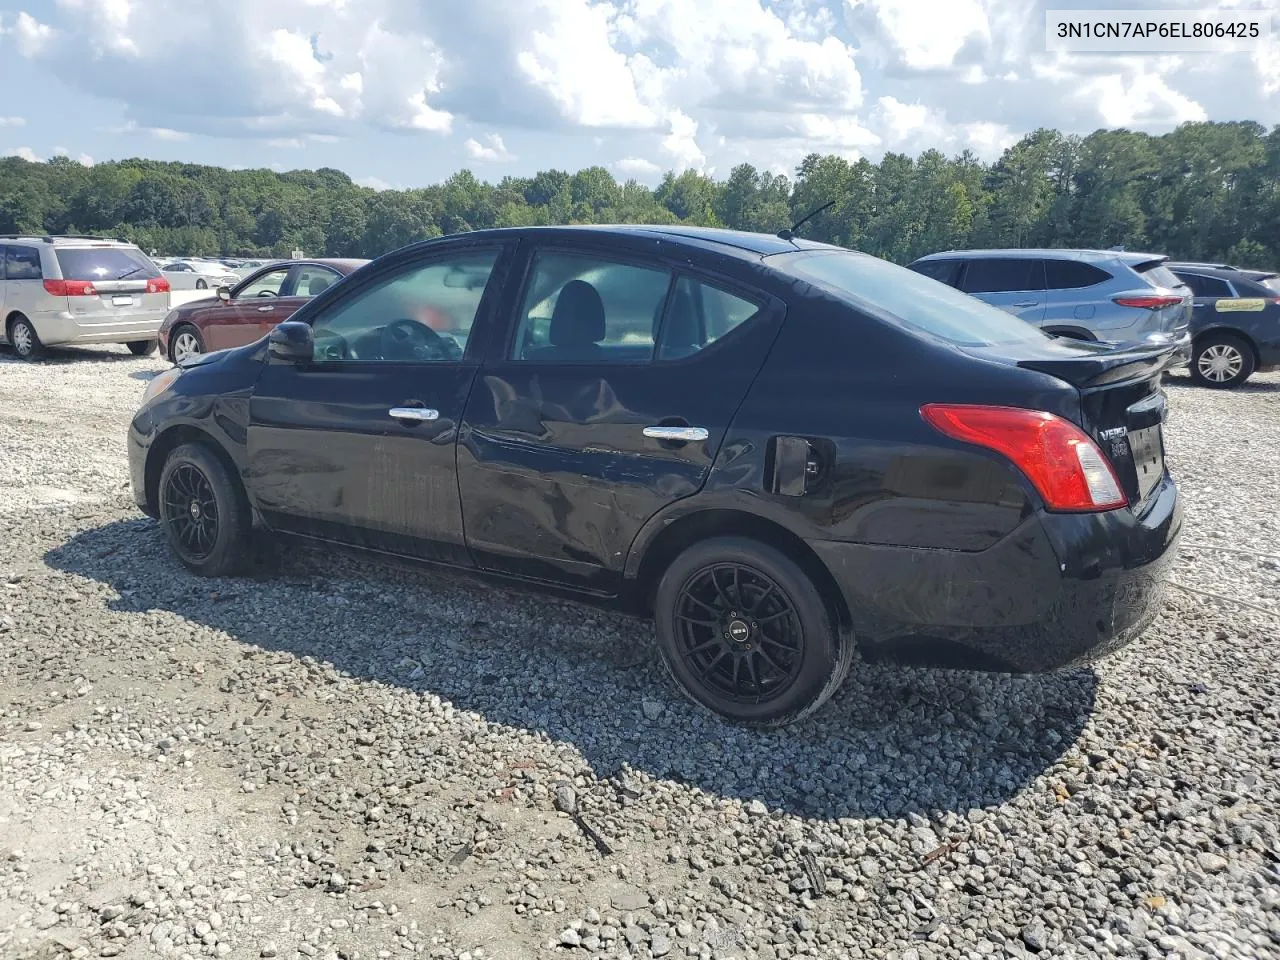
(224, 294)
(292, 342)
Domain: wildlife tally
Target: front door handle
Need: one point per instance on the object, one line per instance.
(686, 434)
(265, 309)
(417, 414)
(1028, 303)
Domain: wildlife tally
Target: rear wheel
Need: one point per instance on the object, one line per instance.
(1221, 360)
(26, 342)
(186, 342)
(204, 512)
(141, 348)
(202, 285)
(745, 633)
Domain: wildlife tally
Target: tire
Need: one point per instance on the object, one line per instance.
(141, 348)
(202, 285)
(24, 339)
(196, 488)
(791, 648)
(185, 341)
(1221, 361)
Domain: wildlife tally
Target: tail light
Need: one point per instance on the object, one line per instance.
(1148, 303)
(157, 285)
(70, 288)
(1066, 467)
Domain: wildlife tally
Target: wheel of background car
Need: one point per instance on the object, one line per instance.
(141, 348)
(1221, 360)
(744, 632)
(204, 512)
(266, 293)
(401, 335)
(186, 342)
(26, 342)
(202, 284)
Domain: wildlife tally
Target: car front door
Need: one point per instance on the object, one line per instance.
(358, 446)
(246, 316)
(1014, 284)
(607, 401)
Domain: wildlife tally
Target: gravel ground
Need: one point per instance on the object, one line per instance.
(343, 760)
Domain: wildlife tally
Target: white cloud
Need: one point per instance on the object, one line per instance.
(26, 153)
(493, 150)
(13, 122)
(928, 34)
(31, 35)
(681, 143)
(373, 183)
(1142, 98)
(637, 167)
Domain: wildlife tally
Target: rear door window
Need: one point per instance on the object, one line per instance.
(698, 315)
(1205, 286)
(944, 271)
(1003, 275)
(310, 280)
(1072, 275)
(22, 263)
(104, 263)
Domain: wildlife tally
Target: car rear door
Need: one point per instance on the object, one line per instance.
(607, 400)
(305, 282)
(1014, 284)
(358, 446)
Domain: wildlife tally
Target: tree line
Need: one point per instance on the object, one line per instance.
(1205, 191)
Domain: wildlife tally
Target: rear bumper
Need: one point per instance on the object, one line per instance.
(64, 328)
(1061, 589)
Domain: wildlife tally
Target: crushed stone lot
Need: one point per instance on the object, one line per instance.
(340, 759)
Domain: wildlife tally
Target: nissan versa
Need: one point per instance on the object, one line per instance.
(788, 454)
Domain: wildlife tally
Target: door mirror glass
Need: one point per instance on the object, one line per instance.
(292, 342)
(224, 294)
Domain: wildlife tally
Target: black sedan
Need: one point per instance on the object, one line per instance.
(788, 454)
(1235, 328)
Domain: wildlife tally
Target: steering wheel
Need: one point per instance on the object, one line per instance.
(408, 339)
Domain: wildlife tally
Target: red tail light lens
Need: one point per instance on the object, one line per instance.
(158, 285)
(1148, 303)
(70, 288)
(1065, 466)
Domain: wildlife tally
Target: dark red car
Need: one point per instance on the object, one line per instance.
(247, 312)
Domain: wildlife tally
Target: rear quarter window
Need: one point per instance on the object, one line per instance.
(1072, 275)
(105, 263)
(907, 298)
(21, 263)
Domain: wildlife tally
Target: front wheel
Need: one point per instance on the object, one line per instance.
(202, 285)
(186, 342)
(744, 632)
(1222, 361)
(141, 348)
(204, 512)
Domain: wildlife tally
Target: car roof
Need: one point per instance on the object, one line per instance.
(1127, 256)
(739, 243)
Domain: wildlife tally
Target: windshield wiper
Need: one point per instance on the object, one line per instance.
(129, 273)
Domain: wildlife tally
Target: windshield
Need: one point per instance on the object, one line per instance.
(912, 300)
(105, 263)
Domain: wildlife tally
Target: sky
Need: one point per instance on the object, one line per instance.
(403, 93)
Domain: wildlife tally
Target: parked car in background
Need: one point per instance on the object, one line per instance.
(1235, 330)
(780, 450)
(198, 275)
(245, 311)
(69, 290)
(1107, 295)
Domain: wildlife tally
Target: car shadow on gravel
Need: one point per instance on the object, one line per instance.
(893, 741)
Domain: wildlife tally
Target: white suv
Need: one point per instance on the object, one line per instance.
(63, 290)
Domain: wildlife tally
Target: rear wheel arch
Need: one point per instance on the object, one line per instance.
(168, 441)
(692, 528)
(8, 322)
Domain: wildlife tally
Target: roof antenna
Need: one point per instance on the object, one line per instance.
(789, 234)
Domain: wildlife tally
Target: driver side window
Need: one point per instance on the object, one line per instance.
(267, 285)
(422, 313)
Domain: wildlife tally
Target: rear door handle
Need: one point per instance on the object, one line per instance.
(265, 309)
(687, 434)
(419, 414)
(1028, 303)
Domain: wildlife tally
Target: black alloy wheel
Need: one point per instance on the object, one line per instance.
(744, 632)
(204, 512)
(739, 633)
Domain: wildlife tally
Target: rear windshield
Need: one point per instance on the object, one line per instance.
(105, 263)
(1156, 272)
(1272, 284)
(911, 299)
